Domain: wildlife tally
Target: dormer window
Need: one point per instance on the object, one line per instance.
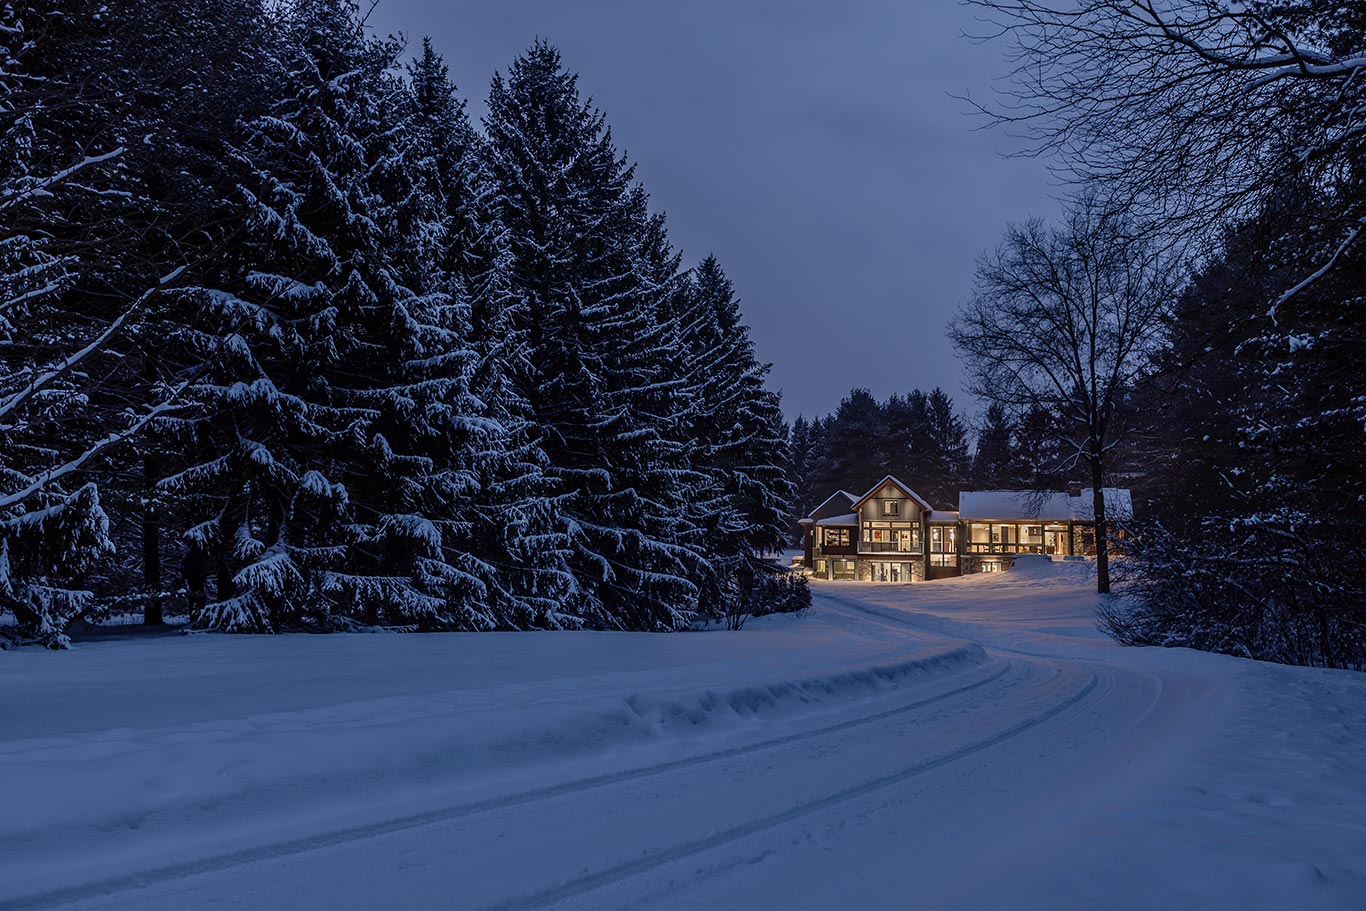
(891, 507)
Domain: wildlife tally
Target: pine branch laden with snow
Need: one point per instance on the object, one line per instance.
(53, 429)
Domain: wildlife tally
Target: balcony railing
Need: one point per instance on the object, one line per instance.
(1009, 549)
(889, 547)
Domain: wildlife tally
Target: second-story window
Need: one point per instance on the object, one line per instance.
(836, 537)
(891, 507)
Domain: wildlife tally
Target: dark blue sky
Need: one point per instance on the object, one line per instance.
(812, 146)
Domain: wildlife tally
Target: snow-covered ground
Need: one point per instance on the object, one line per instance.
(970, 743)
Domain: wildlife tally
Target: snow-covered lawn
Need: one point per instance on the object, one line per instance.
(966, 743)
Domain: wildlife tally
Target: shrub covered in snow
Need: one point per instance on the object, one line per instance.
(1257, 591)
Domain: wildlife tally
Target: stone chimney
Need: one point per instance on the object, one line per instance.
(1074, 488)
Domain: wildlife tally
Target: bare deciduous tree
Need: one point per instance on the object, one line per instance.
(1063, 319)
(1192, 112)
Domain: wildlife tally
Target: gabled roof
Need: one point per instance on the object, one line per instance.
(1046, 505)
(924, 504)
(839, 493)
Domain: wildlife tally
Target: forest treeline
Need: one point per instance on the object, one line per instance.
(290, 342)
(922, 439)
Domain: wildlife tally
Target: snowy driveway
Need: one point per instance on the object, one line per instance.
(972, 743)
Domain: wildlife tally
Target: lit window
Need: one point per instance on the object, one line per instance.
(943, 539)
(891, 507)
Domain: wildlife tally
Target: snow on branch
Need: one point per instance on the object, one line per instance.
(14, 401)
(27, 188)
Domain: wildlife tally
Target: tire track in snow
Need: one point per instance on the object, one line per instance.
(901, 620)
(187, 869)
(663, 857)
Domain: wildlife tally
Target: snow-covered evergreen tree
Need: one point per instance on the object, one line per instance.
(273, 333)
(386, 370)
(502, 513)
(345, 450)
(598, 380)
(74, 276)
(743, 425)
(739, 443)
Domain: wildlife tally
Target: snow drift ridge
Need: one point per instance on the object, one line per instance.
(208, 789)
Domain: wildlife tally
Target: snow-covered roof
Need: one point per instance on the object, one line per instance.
(847, 519)
(943, 515)
(924, 504)
(839, 493)
(1048, 505)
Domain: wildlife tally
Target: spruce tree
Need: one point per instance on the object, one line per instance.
(904, 443)
(947, 465)
(341, 446)
(503, 511)
(1045, 460)
(597, 380)
(739, 443)
(85, 256)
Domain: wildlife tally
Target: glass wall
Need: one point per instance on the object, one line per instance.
(1055, 540)
(891, 572)
(890, 537)
(1008, 538)
(943, 545)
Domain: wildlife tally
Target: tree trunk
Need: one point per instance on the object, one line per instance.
(151, 545)
(1098, 511)
(228, 522)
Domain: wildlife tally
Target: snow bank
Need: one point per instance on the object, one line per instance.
(1041, 567)
(210, 780)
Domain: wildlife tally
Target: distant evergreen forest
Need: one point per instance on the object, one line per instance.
(924, 441)
(290, 342)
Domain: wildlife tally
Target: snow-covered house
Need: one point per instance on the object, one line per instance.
(892, 534)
